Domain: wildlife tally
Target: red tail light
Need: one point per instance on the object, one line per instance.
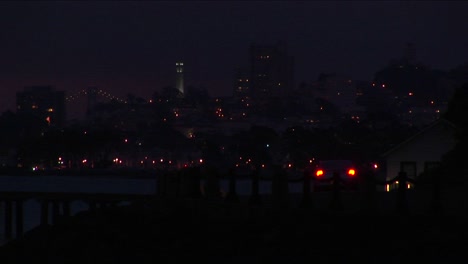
(319, 173)
(351, 172)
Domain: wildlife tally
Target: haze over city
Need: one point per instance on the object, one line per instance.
(132, 47)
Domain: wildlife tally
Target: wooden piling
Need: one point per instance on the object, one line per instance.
(44, 212)
(66, 208)
(19, 217)
(8, 219)
(232, 194)
(55, 212)
(255, 196)
(306, 196)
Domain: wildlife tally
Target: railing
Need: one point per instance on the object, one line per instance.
(186, 184)
(58, 202)
(203, 184)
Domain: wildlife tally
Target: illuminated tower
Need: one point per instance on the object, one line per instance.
(180, 77)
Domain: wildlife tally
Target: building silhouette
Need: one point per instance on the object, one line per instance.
(241, 85)
(271, 71)
(44, 102)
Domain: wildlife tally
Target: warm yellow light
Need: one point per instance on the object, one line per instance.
(50, 110)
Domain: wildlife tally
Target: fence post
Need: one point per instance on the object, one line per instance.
(8, 219)
(306, 196)
(336, 203)
(402, 202)
(232, 194)
(195, 175)
(19, 218)
(44, 212)
(255, 196)
(280, 188)
(66, 208)
(368, 184)
(55, 212)
(436, 195)
(212, 185)
(162, 183)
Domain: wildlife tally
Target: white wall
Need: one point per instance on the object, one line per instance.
(428, 146)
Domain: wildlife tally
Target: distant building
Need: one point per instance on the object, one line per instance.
(271, 71)
(180, 77)
(339, 90)
(241, 85)
(44, 102)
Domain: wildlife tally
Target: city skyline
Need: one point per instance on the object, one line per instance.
(131, 47)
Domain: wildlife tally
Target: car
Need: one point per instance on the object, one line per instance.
(325, 169)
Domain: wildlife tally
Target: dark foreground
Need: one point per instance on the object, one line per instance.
(223, 233)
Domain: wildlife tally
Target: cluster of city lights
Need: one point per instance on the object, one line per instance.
(248, 161)
(219, 112)
(100, 92)
(382, 85)
(161, 161)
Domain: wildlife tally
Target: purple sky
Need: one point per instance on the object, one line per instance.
(131, 47)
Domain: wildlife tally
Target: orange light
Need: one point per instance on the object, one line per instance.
(351, 172)
(319, 173)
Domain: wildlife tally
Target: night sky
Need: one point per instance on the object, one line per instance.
(131, 47)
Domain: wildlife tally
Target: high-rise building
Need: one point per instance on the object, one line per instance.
(241, 85)
(271, 71)
(180, 77)
(44, 102)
